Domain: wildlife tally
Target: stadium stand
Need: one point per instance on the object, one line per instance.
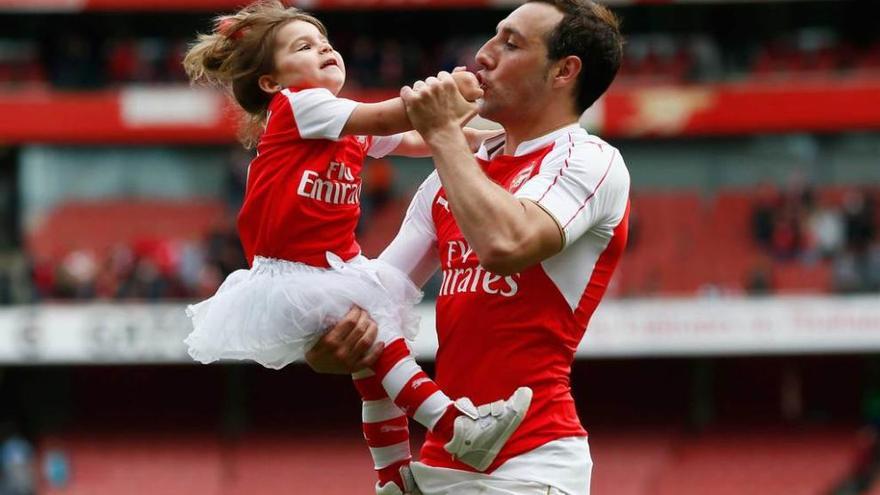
(760, 462)
(646, 461)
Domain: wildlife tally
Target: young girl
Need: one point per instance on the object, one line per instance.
(297, 227)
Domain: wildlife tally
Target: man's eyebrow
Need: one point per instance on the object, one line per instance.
(501, 28)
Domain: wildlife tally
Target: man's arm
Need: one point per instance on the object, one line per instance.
(347, 347)
(507, 234)
(414, 249)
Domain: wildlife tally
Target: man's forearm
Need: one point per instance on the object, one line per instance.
(491, 219)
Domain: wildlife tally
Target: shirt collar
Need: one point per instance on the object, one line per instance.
(525, 147)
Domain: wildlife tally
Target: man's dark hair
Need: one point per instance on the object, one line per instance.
(592, 33)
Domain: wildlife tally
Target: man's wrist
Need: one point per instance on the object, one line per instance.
(444, 135)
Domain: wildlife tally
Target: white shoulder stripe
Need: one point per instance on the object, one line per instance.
(595, 189)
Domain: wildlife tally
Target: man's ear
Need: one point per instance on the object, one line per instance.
(268, 84)
(566, 71)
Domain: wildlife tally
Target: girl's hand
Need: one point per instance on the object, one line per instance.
(467, 83)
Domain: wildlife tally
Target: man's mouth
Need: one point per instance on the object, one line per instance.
(482, 80)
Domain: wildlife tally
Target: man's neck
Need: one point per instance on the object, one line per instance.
(525, 129)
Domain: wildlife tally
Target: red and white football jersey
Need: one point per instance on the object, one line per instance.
(497, 333)
(303, 189)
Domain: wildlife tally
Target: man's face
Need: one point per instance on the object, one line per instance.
(514, 66)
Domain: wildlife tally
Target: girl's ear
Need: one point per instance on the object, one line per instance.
(268, 84)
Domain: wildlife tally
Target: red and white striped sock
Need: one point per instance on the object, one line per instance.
(413, 391)
(385, 427)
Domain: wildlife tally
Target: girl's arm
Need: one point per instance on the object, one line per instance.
(412, 144)
(384, 118)
(388, 117)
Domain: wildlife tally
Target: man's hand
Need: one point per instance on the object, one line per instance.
(347, 347)
(436, 104)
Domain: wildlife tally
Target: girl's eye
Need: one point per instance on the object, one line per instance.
(304, 47)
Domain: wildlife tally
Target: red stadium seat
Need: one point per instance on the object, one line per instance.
(140, 464)
(382, 227)
(808, 462)
(628, 463)
(97, 226)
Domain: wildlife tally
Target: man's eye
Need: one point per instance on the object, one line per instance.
(509, 45)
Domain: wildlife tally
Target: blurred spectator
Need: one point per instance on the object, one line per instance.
(858, 268)
(56, 469)
(236, 178)
(760, 278)
(17, 466)
(363, 62)
(377, 192)
(763, 213)
(150, 56)
(122, 61)
(786, 241)
(223, 249)
(379, 183)
(826, 230)
(173, 60)
(77, 275)
(191, 263)
(20, 63)
(859, 217)
(391, 70)
(873, 268)
(75, 63)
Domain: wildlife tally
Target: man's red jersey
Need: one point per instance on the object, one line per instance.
(497, 333)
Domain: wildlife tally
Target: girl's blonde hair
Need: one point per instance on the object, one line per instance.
(238, 52)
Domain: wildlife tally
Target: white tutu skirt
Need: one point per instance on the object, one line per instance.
(276, 311)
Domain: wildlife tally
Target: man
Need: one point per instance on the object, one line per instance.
(527, 233)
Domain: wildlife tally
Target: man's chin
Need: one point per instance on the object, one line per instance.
(483, 109)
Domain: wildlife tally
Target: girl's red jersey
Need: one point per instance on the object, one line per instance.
(303, 188)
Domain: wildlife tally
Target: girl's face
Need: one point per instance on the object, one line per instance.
(305, 59)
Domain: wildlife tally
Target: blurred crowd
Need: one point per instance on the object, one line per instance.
(154, 268)
(79, 61)
(22, 466)
(145, 270)
(792, 226)
(75, 61)
(797, 224)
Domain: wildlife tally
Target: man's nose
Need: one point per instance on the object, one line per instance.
(483, 58)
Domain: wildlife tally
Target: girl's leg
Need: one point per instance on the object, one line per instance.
(385, 427)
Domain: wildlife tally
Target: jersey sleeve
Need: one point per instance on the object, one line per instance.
(414, 248)
(584, 186)
(318, 113)
(380, 146)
